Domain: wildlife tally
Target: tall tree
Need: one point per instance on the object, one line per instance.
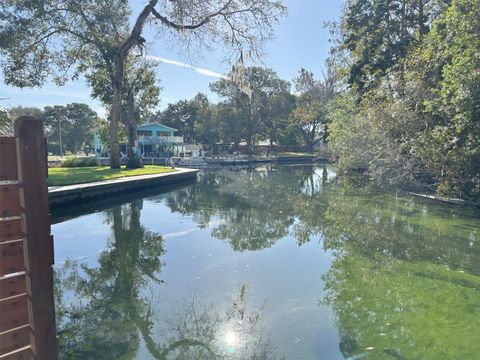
(141, 94)
(18, 111)
(309, 115)
(42, 38)
(449, 66)
(207, 126)
(277, 127)
(379, 33)
(75, 121)
(184, 115)
(252, 104)
(8, 116)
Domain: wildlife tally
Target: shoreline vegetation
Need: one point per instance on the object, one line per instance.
(80, 175)
(407, 111)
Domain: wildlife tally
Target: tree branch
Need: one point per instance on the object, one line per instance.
(207, 18)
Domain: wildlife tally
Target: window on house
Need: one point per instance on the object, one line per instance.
(144, 132)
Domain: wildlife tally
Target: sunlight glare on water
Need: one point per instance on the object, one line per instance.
(269, 262)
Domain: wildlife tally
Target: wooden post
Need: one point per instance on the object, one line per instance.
(14, 322)
(32, 176)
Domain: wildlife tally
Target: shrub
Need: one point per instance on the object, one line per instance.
(79, 162)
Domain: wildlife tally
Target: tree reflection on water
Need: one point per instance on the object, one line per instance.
(103, 312)
(403, 284)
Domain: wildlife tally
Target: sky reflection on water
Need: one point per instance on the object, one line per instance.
(271, 262)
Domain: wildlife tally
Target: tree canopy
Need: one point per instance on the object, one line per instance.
(254, 108)
(309, 115)
(76, 121)
(64, 39)
(409, 116)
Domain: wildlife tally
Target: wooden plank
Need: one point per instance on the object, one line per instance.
(11, 228)
(13, 285)
(32, 173)
(14, 339)
(19, 354)
(11, 257)
(9, 195)
(13, 312)
(8, 159)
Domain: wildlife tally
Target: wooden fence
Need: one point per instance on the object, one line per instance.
(27, 311)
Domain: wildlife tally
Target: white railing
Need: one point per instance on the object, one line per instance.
(160, 139)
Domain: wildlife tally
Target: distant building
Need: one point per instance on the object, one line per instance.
(155, 140)
(158, 140)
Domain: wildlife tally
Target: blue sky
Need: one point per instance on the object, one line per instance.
(300, 40)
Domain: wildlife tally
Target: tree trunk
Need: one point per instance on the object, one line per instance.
(249, 144)
(134, 161)
(313, 133)
(421, 24)
(270, 148)
(115, 115)
(130, 42)
(325, 133)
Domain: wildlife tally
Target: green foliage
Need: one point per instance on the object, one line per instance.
(6, 124)
(18, 111)
(185, 114)
(64, 39)
(309, 115)
(378, 34)
(76, 121)
(206, 128)
(140, 86)
(73, 162)
(451, 143)
(253, 106)
(103, 130)
(414, 123)
(58, 38)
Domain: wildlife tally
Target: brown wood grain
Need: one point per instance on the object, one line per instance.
(12, 286)
(11, 228)
(11, 257)
(32, 173)
(14, 339)
(9, 195)
(8, 158)
(20, 354)
(13, 312)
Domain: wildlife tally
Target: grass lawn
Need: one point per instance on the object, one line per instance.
(79, 175)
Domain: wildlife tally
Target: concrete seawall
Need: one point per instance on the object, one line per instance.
(71, 194)
(306, 159)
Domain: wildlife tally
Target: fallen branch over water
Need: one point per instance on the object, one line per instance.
(441, 198)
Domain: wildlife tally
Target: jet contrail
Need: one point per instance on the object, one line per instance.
(201, 71)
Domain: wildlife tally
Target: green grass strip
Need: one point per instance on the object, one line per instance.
(81, 175)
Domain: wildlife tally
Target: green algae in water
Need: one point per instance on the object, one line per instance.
(332, 272)
(405, 310)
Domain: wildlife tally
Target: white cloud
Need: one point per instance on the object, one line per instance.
(200, 71)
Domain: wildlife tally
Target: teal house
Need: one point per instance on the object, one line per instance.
(155, 140)
(158, 140)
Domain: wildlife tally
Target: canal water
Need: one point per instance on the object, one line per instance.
(271, 262)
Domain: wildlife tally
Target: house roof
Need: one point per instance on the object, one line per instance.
(142, 126)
